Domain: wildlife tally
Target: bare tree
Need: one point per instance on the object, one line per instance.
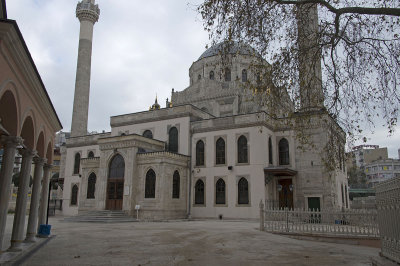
(356, 41)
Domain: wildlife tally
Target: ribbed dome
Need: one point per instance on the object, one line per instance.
(231, 48)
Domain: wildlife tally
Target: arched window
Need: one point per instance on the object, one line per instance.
(175, 185)
(212, 76)
(173, 140)
(227, 74)
(220, 151)
(77, 163)
(91, 188)
(283, 152)
(117, 167)
(270, 151)
(148, 134)
(74, 195)
(220, 192)
(150, 186)
(90, 154)
(199, 77)
(244, 75)
(243, 191)
(242, 149)
(200, 153)
(199, 192)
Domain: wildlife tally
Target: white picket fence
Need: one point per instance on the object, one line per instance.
(388, 203)
(355, 223)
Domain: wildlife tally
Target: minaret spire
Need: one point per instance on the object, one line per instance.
(88, 14)
(311, 93)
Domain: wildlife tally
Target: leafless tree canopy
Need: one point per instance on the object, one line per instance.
(359, 41)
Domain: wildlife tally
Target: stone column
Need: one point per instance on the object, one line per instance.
(20, 208)
(9, 144)
(35, 197)
(45, 194)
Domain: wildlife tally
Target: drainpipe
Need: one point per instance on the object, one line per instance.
(190, 174)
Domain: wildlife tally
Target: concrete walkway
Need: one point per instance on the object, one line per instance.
(187, 243)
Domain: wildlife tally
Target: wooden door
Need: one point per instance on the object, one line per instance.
(285, 193)
(115, 194)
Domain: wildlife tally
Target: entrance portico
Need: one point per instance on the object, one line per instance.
(280, 184)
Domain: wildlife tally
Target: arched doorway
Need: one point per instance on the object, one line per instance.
(115, 186)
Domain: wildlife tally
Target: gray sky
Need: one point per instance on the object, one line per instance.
(140, 49)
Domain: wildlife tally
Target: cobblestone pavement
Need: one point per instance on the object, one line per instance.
(209, 242)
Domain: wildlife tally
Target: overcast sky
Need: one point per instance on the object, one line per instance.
(140, 49)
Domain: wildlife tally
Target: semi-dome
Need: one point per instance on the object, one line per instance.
(231, 48)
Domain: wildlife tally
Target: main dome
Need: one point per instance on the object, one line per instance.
(231, 48)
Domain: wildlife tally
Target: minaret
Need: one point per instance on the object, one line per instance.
(310, 74)
(88, 13)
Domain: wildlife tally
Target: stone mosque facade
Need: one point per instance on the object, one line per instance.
(211, 152)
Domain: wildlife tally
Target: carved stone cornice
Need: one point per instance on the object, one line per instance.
(130, 141)
(163, 155)
(90, 162)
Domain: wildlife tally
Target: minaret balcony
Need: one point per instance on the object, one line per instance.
(87, 11)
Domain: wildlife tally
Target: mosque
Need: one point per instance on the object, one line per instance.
(213, 151)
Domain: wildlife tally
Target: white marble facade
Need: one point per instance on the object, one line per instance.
(228, 182)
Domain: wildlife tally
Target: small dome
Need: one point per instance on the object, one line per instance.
(234, 48)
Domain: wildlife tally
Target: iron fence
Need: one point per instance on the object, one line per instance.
(55, 204)
(359, 223)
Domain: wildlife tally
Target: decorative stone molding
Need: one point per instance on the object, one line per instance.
(128, 141)
(87, 11)
(186, 110)
(90, 162)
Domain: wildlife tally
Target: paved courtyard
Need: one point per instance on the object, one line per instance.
(186, 243)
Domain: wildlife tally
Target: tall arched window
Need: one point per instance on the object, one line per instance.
(283, 152)
(242, 150)
(220, 192)
(227, 74)
(173, 140)
(244, 75)
(77, 163)
(175, 185)
(91, 188)
(90, 154)
(199, 77)
(74, 195)
(243, 191)
(150, 186)
(270, 151)
(199, 192)
(117, 167)
(220, 151)
(212, 76)
(148, 134)
(200, 153)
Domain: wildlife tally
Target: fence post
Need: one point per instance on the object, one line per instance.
(261, 216)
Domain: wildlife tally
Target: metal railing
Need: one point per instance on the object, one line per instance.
(355, 223)
(388, 204)
(55, 204)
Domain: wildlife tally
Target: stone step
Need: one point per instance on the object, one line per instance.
(103, 216)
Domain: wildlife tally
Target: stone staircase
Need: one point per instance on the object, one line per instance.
(105, 216)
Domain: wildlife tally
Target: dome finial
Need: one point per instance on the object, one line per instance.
(155, 106)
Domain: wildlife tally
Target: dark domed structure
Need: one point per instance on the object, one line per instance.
(231, 48)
